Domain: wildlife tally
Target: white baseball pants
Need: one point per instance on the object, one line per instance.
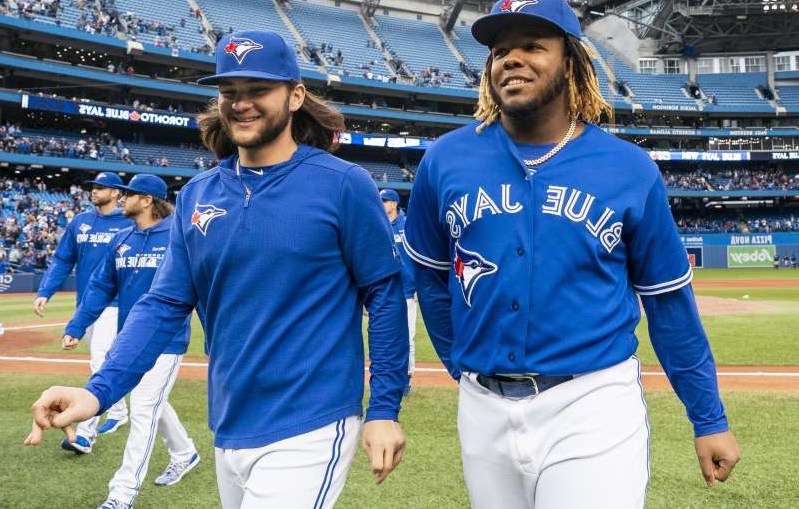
(150, 412)
(302, 472)
(583, 443)
(411, 334)
(101, 336)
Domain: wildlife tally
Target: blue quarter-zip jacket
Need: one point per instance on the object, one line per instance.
(281, 260)
(84, 244)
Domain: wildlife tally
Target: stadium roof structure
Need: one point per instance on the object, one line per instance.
(692, 27)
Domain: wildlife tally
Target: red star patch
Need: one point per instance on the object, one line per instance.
(506, 5)
(230, 47)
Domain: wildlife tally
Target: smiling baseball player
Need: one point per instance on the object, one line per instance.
(533, 231)
(280, 246)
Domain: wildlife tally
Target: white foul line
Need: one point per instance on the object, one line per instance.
(40, 326)
(190, 364)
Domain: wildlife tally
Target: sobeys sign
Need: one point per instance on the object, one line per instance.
(750, 256)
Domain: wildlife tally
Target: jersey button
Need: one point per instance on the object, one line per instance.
(512, 357)
(515, 305)
(520, 251)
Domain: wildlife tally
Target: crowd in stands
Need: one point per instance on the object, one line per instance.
(740, 225)
(771, 179)
(32, 222)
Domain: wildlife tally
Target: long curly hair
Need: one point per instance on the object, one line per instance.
(316, 123)
(584, 96)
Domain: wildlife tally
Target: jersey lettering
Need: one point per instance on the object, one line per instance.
(556, 199)
(94, 238)
(139, 261)
(458, 217)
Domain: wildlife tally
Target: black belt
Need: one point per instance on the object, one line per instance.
(521, 386)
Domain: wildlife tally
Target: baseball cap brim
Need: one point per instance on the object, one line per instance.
(101, 184)
(486, 29)
(216, 78)
(138, 191)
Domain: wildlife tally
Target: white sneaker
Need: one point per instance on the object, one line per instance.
(176, 470)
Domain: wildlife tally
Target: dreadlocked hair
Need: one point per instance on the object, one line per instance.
(585, 100)
(315, 123)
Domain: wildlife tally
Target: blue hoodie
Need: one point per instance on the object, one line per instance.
(126, 273)
(281, 260)
(408, 277)
(84, 244)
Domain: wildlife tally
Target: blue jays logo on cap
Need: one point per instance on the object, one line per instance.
(511, 6)
(204, 214)
(469, 268)
(239, 47)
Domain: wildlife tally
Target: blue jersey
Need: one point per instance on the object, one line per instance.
(408, 283)
(126, 273)
(543, 264)
(281, 260)
(84, 244)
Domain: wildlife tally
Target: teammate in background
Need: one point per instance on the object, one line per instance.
(126, 274)
(397, 217)
(532, 231)
(776, 261)
(84, 244)
(279, 245)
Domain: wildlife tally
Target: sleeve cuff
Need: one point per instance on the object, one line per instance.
(704, 429)
(381, 415)
(89, 387)
(667, 286)
(422, 259)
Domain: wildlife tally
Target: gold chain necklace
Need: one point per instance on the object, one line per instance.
(546, 157)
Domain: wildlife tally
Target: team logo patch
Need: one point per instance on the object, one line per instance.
(121, 250)
(204, 214)
(84, 228)
(239, 47)
(511, 6)
(469, 267)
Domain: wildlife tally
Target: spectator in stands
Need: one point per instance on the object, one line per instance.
(163, 161)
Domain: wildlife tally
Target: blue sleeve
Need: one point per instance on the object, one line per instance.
(367, 241)
(64, 259)
(658, 260)
(388, 346)
(682, 347)
(426, 241)
(150, 327)
(100, 292)
(435, 302)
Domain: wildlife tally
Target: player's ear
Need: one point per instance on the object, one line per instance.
(296, 96)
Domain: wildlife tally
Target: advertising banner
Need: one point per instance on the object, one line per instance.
(739, 257)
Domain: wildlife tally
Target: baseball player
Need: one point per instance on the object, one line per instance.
(533, 231)
(397, 218)
(84, 245)
(280, 245)
(126, 273)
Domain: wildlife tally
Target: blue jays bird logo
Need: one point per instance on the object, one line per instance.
(239, 47)
(204, 214)
(469, 268)
(511, 6)
(121, 250)
(84, 228)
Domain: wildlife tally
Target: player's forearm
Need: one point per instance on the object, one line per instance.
(435, 302)
(150, 327)
(682, 347)
(388, 346)
(91, 306)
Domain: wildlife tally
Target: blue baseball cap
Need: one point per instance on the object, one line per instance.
(510, 13)
(106, 179)
(144, 183)
(257, 54)
(389, 195)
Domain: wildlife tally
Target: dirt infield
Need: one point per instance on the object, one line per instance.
(731, 378)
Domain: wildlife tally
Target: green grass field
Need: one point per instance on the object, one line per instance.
(766, 425)
(430, 476)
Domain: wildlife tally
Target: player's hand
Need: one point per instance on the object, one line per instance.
(39, 304)
(59, 407)
(68, 342)
(384, 443)
(718, 453)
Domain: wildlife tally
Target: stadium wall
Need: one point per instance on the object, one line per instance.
(722, 251)
(27, 283)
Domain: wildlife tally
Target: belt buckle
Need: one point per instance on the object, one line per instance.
(531, 378)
